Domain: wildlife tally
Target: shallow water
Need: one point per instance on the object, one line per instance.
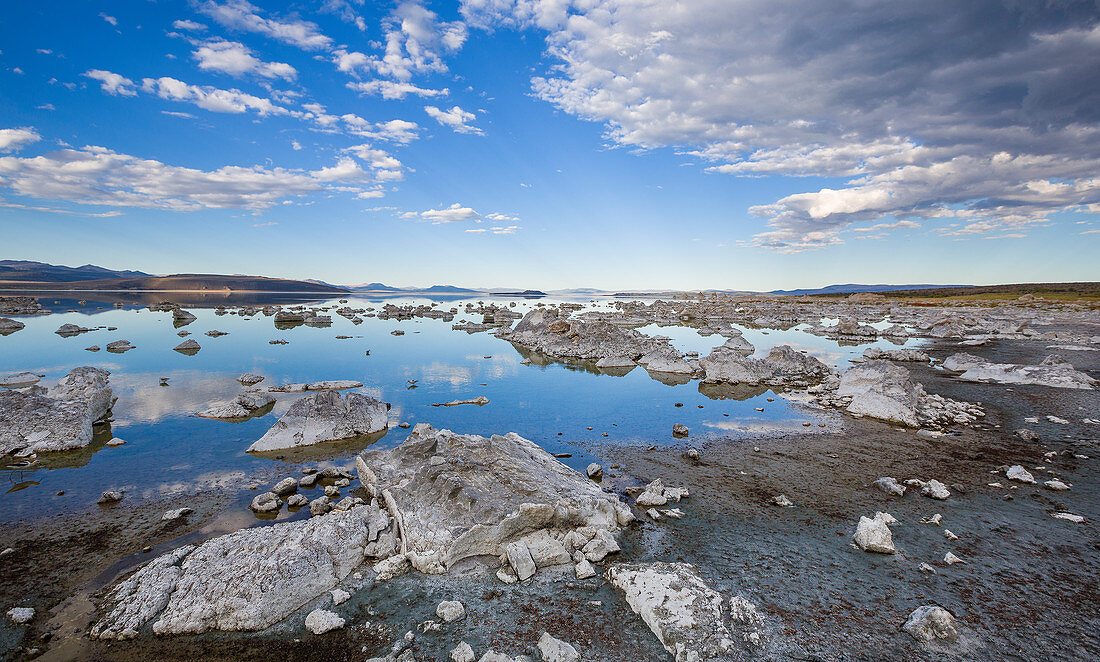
(169, 451)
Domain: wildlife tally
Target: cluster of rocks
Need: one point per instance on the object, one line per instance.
(21, 306)
(1054, 371)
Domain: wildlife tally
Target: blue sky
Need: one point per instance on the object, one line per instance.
(556, 143)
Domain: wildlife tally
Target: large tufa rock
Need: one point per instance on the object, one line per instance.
(782, 366)
(882, 390)
(685, 614)
(1054, 371)
(544, 331)
(243, 406)
(247, 580)
(459, 496)
(325, 416)
(35, 422)
(931, 623)
(872, 535)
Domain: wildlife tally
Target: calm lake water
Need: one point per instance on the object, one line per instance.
(169, 451)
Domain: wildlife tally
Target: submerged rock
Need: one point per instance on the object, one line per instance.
(35, 422)
(246, 580)
(684, 613)
(324, 416)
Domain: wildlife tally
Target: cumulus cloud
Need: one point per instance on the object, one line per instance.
(415, 42)
(112, 83)
(14, 139)
(210, 98)
(235, 59)
(457, 213)
(244, 16)
(99, 176)
(456, 118)
(185, 24)
(388, 89)
(396, 131)
(985, 112)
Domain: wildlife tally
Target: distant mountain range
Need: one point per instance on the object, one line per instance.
(55, 273)
(853, 288)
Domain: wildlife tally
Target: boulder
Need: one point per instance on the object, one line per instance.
(189, 347)
(882, 390)
(450, 611)
(872, 535)
(266, 502)
(931, 623)
(1018, 473)
(680, 609)
(935, 489)
(556, 650)
(320, 621)
(8, 325)
(459, 496)
(21, 615)
(324, 416)
(36, 422)
(594, 471)
(246, 580)
(890, 486)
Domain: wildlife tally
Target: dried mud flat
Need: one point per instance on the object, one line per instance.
(1028, 587)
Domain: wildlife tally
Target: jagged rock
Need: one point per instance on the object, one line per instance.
(904, 355)
(1018, 473)
(242, 406)
(882, 390)
(178, 513)
(296, 501)
(782, 366)
(21, 615)
(249, 379)
(320, 621)
(680, 430)
(321, 417)
(743, 611)
(339, 596)
(34, 422)
(285, 486)
(594, 471)
(890, 486)
(246, 580)
(931, 623)
(1054, 371)
(666, 359)
(556, 650)
(69, 330)
(519, 557)
(189, 347)
(462, 653)
(872, 535)
(481, 495)
(584, 569)
(656, 494)
(19, 380)
(782, 501)
(320, 506)
(682, 611)
(1027, 435)
(450, 611)
(580, 339)
(109, 497)
(119, 346)
(8, 325)
(1056, 485)
(935, 489)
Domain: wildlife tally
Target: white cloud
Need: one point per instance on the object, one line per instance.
(235, 59)
(452, 214)
(397, 131)
(110, 19)
(994, 123)
(99, 176)
(347, 13)
(394, 90)
(415, 41)
(295, 145)
(112, 83)
(242, 15)
(456, 118)
(383, 166)
(12, 140)
(185, 24)
(176, 113)
(210, 98)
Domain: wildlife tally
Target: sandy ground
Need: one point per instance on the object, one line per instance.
(1029, 589)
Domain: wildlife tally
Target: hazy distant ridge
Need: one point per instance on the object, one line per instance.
(852, 288)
